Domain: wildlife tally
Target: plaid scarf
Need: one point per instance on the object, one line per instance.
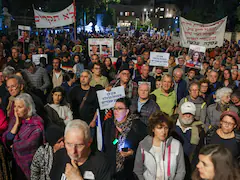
(128, 89)
(126, 127)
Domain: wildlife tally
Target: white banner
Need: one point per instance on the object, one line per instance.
(36, 58)
(107, 99)
(159, 59)
(101, 46)
(55, 19)
(208, 35)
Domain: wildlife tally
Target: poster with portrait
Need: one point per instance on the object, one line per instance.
(101, 46)
(196, 54)
(24, 33)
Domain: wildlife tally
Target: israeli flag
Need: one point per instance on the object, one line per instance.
(99, 132)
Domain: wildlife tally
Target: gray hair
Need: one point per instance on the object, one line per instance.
(177, 70)
(167, 76)
(19, 79)
(147, 84)
(222, 92)
(8, 71)
(79, 125)
(28, 102)
(89, 73)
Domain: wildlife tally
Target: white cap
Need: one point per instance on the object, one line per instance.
(188, 107)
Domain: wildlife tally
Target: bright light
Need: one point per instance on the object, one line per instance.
(176, 17)
(161, 9)
(151, 10)
(167, 9)
(176, 22)
(145, 9)
(40, 8)
(161, 17)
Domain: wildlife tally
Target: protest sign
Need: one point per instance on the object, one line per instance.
(196, 53)
(24, 33)
(208, 35)
(101, 46)
(159, 59)
(55, 19)
(36, 58)
(107, 99)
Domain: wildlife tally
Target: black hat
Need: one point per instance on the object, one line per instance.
(53, 134)
(124, 67)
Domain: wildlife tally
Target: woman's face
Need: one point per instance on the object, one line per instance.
(20, 108)
(158, 84)
(120, 111)
(161, 131)
(227, 124)
(225, 99)
(195, 57)
(226, 74)
(205, 167)
(57, 97)
(107, 62)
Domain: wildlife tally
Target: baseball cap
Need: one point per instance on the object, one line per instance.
(188, 107)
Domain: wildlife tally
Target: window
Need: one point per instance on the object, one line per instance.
(161, 9)
(121, 13)
(127, 13)
(133, 13)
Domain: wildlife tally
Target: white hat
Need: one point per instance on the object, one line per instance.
(188, 107)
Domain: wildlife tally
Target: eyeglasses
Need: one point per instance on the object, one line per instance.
(228, 123)
(118, 109)
(14, 87)
(125, 74)
(77, 146)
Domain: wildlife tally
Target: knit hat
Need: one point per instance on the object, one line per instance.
(124, 67)
(233, 114)
(188, 107)
(53, 133)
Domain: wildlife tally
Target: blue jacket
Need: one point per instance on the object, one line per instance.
(182, 90)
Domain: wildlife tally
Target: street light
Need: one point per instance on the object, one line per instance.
(151, 10)
(145, 9)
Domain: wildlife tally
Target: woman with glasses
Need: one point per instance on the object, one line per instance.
(227, 133)
(122, 132)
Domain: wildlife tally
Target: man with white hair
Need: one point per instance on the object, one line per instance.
(191, 134)
(143, 105)
(214, 111)
(76, 161)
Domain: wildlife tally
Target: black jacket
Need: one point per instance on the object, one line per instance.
(136, 134)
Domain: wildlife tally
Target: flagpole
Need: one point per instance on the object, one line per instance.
(75, 23)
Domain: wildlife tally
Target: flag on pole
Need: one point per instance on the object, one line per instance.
(99, 132)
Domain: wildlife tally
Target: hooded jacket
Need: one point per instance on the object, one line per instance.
(145, 166)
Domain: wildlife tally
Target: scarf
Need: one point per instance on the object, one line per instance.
(128, 89)
(126, 127)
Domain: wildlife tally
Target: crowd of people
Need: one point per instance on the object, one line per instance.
(175, 122)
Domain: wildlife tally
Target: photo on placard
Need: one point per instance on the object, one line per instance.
(94, 49)
(106, 50)
(24, 33)
(196, 54)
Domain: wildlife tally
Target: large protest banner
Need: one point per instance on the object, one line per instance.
(55, 19)
(107, 99)
(24, 33)
(101, 46)
(208, 35)
(159, 59)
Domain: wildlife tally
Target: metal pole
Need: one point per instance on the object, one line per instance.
(75, 23)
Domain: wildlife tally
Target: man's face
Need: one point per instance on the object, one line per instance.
(180, 61)
(191, 74)
(213, 76)
(14, 54)
(76, 145)
(94, 49)
(177, 76)
(65, 59)
(166, 83)
(125, 76)
(234, 75)
(124, 52)
(194, 91)
(229, 60)
(143, 91)
(216, 65)
(56, 64)
(204, 87)
(40, 51)
(145, 71)
(13, 87)
(145, 56)
(96, 70)
(94, 59)
(84, 79)
(186, 119)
